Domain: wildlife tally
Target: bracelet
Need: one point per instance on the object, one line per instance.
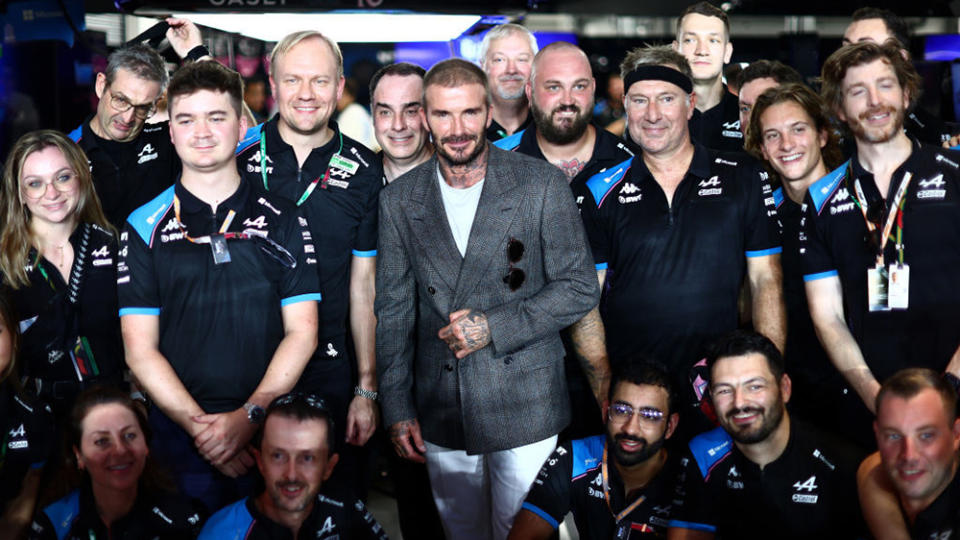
(197, 53)
(369, 394)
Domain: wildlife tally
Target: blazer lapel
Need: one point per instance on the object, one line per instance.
(495, 213)
(432, 231)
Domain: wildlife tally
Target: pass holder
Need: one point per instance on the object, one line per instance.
(898, 290)
(877, 282)
(219, 249)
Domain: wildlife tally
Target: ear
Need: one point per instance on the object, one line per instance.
(786, 388)
(876, 433)
(101, 84)
(823, 136)
(273, 86)
(331, 463)
(692, 98)
(489, 116)
(672, 422)
(257, 457)
(766, 156)
(423, 119)
(838, 111)
(605, 410)
(340, 87)
(956, 435)
(528, 90)
(244, 126)
(676, 45)
(76, 455)
(727, 53)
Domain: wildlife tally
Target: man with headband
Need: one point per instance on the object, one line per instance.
(678, 227)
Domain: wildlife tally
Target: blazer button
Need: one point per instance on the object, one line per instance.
(431, 290)
(448, 367)
(507, 360)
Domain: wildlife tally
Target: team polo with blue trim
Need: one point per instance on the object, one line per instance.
(220, 324)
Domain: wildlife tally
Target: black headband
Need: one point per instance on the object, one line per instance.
(658, 73)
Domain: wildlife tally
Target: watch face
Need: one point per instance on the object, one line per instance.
(256, 414)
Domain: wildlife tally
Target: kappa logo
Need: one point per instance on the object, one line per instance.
(935, 182)
(53, 356)
(260, 222)
(147, 153)
(842, 195)
(254, 163)
(172, 225)
(255, 158)
(713, 181)
(302, 221)
(734, 481)
(598, 481)
(629, 188)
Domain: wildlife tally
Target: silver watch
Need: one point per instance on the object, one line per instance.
(369, 394)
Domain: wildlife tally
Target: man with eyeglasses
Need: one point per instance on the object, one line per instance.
(880, 240)
(618, 484)
(218, 294)
(797, 481)
(296, 454)
(132, 161)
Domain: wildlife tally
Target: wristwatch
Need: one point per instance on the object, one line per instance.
(255, 413)
(369, 394)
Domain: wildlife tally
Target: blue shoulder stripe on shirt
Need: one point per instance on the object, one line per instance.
(778, 197)
(821, 190)
(543, 515)
(602, 183)
(710, 447)
(76, 134)
(510, 142)
(250, 138)
(146, 218)
(676, 523)
(371, 253)
(300, 298)
(63, 513)
(587, 454)
(233, 522)
(820, 275)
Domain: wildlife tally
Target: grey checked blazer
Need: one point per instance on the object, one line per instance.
(512, 392)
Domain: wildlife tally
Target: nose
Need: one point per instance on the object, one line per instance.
(203, 128)
(873, 96)
(652, 111)
(511, 66)
(787, 142)
(50, 192)
(129, 115)
(739, 398)
(290, 470)
(398, 122)
(701, 49)
(305, 91)
(908, 450)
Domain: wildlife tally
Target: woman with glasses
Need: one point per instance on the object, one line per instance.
(58, 262)
(115, 490)
(26, 436)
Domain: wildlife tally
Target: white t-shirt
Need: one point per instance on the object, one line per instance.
(461, 207)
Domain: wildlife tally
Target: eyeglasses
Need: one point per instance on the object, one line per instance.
(294, 397)
(34, 187)
(515, 276)
(623, 412)
(122, 104)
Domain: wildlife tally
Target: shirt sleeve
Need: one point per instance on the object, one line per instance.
(301, 282)
(363, 525)
(137, 288)
(762, 233)
(549, 496)
(366, 243)
(692, 508)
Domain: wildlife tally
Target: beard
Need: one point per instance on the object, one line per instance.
(567, 131)
(770, 421)
(297, 505)
(461, 158)
(874, 135)
(629, 459)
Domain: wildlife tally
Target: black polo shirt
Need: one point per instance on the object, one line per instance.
(942, 518)
(330, 519)
(608, 150)
(130, 174)
(342, 211)
(925, 127)
(572, 480)
(155, 514)
(496, 132)
(28, 440)
(220, 324)
(675, 271)
(832, 244)
(810, 491)
(70, 332)
(718, 128)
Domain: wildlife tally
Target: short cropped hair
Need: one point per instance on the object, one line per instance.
(811, 103)
(855, 54)
(555, 46)
(909, 382)
(744, 342)
(139, 59)
(896, 26)
(650, 55)
(454, 72)
(208, 75)
(640, 370)
(291, 40)
(709, 10)
(400, 69)
(301, 407)
(769, 69)
(502, 31)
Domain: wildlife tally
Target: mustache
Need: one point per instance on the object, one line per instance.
(458, 139)
(566, 108)
(625, 437)
(876, 110)
(744, 410)
(505, 78)
(297, 485)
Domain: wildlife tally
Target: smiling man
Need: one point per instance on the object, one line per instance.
(506, 55)
(295, 456)
(396, 96)
(798, 482)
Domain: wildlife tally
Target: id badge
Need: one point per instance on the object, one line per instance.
(877, 289)
(898, 291)
(218, 245)
(623, 531)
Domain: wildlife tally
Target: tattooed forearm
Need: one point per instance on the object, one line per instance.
(589, 346)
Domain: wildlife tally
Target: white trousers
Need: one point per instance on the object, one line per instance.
(478, 496)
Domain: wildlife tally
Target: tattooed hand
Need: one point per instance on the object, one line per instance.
(467, 332)
(407, 441)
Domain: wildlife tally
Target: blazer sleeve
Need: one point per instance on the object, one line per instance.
(571, 288)
(395, 308)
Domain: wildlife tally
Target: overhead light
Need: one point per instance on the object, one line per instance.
(341, 27)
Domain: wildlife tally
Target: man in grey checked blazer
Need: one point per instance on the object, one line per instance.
(469, 309)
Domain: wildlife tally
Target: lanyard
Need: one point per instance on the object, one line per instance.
(206, 238)
(895, 214)
(606, 492)
(313, 184)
